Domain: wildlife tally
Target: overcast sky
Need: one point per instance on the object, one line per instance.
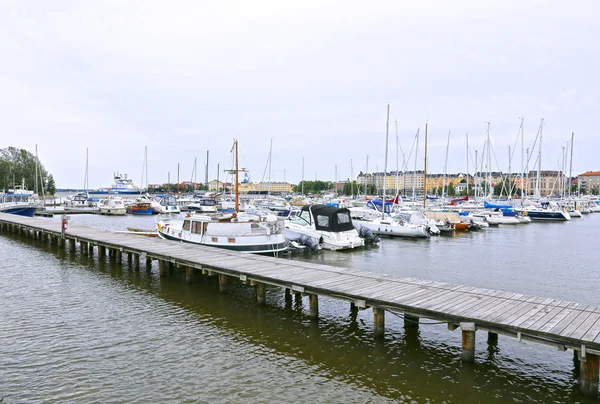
(183, 77)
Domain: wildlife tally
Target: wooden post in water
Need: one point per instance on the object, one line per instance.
(162, 268)
(223, 283)
(313, 303)
(136, 262)
(468, 342)
(84, 247)
(71, 244)
(101, 251)
(118, 255)
(378, 322)
(261, 295)
(411, 321)
(189, 274)
(148, 264)
(588, 375)
(492, 338)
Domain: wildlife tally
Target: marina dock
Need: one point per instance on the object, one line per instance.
(562, 324)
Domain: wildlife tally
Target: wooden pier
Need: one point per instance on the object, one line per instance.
(562, 324)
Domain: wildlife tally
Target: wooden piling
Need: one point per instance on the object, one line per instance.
(492, 338)
(84, 247)
(136, 262)
(313, 303)
(261, 295)
(189, 274)
(223, 283)
(411, 321)
(72, 244)
(378, 322)
(588, 375)
(162, 268)
(101, 251)
(468, 342)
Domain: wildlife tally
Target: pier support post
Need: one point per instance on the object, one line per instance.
(189, 274)
(149, 264)
(84, 247)
(378, 322)
(129, 258)
(162, 268)
(90, 249)
(72, 244)
(223, 283)
(136, 262)
(101, 251)
(492, 338)
(261, 295)
(411, 321)
(61, 242)
(313, 304)
(468, 342)
(588, 375)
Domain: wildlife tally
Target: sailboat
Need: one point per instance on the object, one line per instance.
(248, 233)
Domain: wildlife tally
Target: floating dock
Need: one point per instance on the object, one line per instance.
(562, 324)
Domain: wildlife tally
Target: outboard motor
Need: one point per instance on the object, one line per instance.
(368, 235)
(308, 242)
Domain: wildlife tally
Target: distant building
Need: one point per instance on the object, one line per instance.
(551, 182)
(275, 187)
(588, 181)
(215, 185)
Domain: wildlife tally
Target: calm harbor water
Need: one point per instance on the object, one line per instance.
(75, 330)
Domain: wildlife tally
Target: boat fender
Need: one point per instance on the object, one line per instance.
(188, 215)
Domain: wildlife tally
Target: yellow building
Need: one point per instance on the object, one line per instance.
(277, 187)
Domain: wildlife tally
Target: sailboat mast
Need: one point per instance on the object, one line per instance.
(522, 160)
(85, 180)
(366, 172)
(195, 174)
(415, 170)
(36, 170)
(489, 162)
(270, 157)
(539, 171)
(387, 129)
(477, 175)
(351, 179)
(302, 175)
(571, 163)
(467, 136)
(425, 172)
(445, 167)
(397, 159)
(237, 201)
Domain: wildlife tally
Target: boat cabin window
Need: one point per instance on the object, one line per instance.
(197, 227)
(323, 221)
(305, 215)
(343, 217)
(186, 225)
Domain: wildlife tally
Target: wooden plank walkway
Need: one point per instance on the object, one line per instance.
(550, 321)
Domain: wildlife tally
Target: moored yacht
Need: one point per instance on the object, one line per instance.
(113, 206)
(333, 227)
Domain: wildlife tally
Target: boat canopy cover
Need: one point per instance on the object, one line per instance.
(330, 218)
(488, 205)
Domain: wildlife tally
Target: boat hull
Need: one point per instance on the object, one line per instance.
(253, 249)
(549, 215)
(112, 211)
(28, 211)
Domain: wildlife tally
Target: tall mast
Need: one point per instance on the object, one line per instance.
(489, 162)
(539, 170)
(425, 172)
(237, 201)
(467, 136)
(476, 174)
(445, 168)
(571, 163)
(522, 159)
(415, 171)
(366, 172)
(562, 175)
(85, 180)
(302, 176)
(527, 173)
(270, 158)
(206, 170)
(36, 170)
(397, 143)
(387, 130)
(351, 178)
(195, 169)
(146, 159)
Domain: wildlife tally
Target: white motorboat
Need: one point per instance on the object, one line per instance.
(202, 205)
(496, 218)
(387, 226)
(333, 227)
(166, 204)
(114, 206)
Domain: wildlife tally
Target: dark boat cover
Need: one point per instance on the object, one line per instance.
(330, 218)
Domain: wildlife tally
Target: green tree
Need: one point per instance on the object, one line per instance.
(50, 188)
(18, 166)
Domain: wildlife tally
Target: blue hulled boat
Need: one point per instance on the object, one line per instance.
(17, 204)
